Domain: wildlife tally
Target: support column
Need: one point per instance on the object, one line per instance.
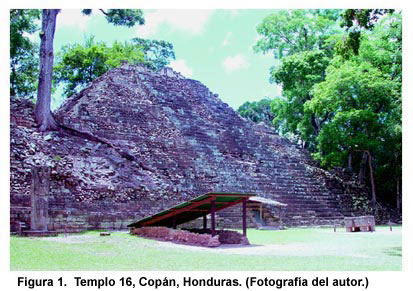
(213, 217)
(280, 214)
(174, 222)
(205, 222)
(244, 217)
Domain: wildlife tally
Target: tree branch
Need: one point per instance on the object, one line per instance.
(104, 12)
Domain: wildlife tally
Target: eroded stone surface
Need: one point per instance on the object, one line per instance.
(183, 140)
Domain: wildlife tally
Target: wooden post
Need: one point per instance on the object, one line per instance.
(261, 221)
(244, 217)
(205, 222)
(280, 212)
(213, 217)
(174, 222)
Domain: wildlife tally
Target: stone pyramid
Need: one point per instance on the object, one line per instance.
(155, 139)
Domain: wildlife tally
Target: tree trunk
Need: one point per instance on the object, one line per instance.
(362, 172)
(373, 186)
(349, 161)
(43, 115)
(314, 124)
(398, 197)
(12, 81)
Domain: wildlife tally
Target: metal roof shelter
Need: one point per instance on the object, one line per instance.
(200, 206)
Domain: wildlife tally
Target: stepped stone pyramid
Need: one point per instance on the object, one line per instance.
(156, 139)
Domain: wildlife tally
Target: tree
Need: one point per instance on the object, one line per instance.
(157, 52)
(354, 21)
(43, 115)
(257, 111)
(298, 73)
(364, 104)
(288, 32)
(122, 17)
(302, 40)
(78, 65)
(342, 91)
(24, 66)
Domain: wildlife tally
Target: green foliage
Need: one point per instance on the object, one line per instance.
(78, 65)
(363, 97)
(288, 32)
(355, 20)
(364, 18)
(157, 52)
(123, 17)
(341, 89)
(304, 41)
(362, 94)
(24, 63)
(298, 73)
(257, 112)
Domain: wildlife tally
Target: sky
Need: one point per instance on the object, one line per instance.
(211, 46)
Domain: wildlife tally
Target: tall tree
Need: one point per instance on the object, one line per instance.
(302, 41)
(24, 65)
(298, 73)
(363, 96)
(43, 115)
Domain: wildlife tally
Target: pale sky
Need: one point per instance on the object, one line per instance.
(212, 46)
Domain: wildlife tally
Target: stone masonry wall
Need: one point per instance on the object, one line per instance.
(181, 140)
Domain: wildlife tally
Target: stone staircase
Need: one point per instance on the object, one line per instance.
(184, 142)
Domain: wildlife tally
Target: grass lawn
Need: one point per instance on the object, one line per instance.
(292, 249)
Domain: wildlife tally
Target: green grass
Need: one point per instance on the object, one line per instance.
(292, 249)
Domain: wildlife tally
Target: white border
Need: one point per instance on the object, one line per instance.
(379, 280)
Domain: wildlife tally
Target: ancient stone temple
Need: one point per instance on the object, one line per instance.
(145, 141)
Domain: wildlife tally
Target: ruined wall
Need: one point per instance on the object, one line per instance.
(181, 140)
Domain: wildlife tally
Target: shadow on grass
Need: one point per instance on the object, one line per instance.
(395, 251)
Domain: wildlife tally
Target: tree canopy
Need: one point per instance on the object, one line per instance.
(257, 111)
(78, 65)
(24, 67)
(341, 78)
(123, 17)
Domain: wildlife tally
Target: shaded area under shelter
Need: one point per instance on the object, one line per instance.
(256, 205)
(200, 206)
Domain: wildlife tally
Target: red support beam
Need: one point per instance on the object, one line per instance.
(213, 217)
(244, 216)
(177, 211)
